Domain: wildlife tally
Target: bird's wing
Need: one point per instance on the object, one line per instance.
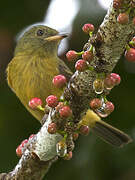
(64, 69)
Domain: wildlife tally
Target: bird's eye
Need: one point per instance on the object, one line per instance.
(40, 32)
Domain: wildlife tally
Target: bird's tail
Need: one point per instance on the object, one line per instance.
(105, 131)
(111, 134)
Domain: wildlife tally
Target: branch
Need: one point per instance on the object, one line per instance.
(109, 44)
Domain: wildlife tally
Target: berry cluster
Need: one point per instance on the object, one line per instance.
(21, 148)
(111, 80)
(83, 63)
(64, 112)
(101, 107)
(124, 9)
(103, 83)
(107, 83)
(58, 81)
(100, 85)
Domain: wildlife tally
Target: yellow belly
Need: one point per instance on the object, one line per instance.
(33, 78)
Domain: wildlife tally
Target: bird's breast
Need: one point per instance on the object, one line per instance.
(32, 77)
(39, 75)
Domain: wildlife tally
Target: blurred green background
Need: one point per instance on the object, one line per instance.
(92, 158)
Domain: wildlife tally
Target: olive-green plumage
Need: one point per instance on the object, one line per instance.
(34, 65)
(32, 69)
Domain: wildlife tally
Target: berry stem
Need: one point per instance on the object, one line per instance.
(105, 99)
(80, 53)
(132, 43)
(41, 108)
(127, 47)
(91, 48)
(90, 33)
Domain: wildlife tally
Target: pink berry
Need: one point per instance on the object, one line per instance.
(71, 55)
(130, 55)
(65, 112)
(112, 80)
(87, 56)
(81, 65)
(87, 28)
(106, 109)
(31, 136)
(68, 156)
(123, 18)
(84, 130)
(35, 102)
(109, 82)
(24, 142)
(116, 77)
(59, 81)
(109, 107)
(52, 128)
(52, 101)
(117, 4)
(19, 151)
(96, 103)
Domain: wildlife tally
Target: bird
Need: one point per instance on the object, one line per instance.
(30, 74)
(34, 65)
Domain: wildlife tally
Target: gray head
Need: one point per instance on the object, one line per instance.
(39, 38)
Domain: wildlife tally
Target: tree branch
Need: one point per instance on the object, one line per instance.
(109, 44)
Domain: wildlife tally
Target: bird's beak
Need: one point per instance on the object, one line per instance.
(57, 37)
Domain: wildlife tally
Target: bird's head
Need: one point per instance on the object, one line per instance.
(39, 38)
